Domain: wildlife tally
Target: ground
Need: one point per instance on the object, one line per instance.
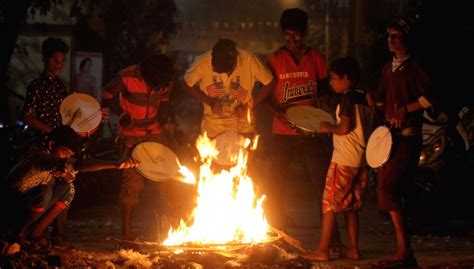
(94, 227)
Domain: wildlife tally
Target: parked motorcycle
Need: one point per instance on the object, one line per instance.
(435, 149)
(442, 180)
(465, 130)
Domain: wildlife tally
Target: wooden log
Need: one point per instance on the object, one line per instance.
(227, 247)
(288, 239)
(191, 247)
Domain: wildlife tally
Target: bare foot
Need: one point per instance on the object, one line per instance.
(352, 254)
(318, 255)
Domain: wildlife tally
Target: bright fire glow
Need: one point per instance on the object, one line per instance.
(188, 176)
(227, 209)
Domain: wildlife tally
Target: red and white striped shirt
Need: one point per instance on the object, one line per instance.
(138, 100)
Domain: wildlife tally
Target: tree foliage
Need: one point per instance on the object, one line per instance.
(136, 29)
(42, 6)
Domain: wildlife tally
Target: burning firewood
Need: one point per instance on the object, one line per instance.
(290, 240)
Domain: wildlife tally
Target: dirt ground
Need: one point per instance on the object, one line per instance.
(93, 228)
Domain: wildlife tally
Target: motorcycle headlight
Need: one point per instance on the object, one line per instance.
(422, 160)
(437, 147)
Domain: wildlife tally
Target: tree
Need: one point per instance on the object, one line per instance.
(12, 17)
(135, 29)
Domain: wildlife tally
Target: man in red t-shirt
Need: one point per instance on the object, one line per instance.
(302, 77)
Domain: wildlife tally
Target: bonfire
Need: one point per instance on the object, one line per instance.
(227, 211)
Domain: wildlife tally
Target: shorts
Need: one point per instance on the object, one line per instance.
(344, 188)
(397, 174)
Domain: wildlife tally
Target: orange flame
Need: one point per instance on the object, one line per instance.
(227, 209)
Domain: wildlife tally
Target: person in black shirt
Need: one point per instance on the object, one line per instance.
(45, 94)
(41, 109)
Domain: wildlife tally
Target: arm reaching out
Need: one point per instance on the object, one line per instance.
(97, 165)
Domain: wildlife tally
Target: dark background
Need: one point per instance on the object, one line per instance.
(444, 41)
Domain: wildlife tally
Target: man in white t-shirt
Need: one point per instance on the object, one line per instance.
(223, 79)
